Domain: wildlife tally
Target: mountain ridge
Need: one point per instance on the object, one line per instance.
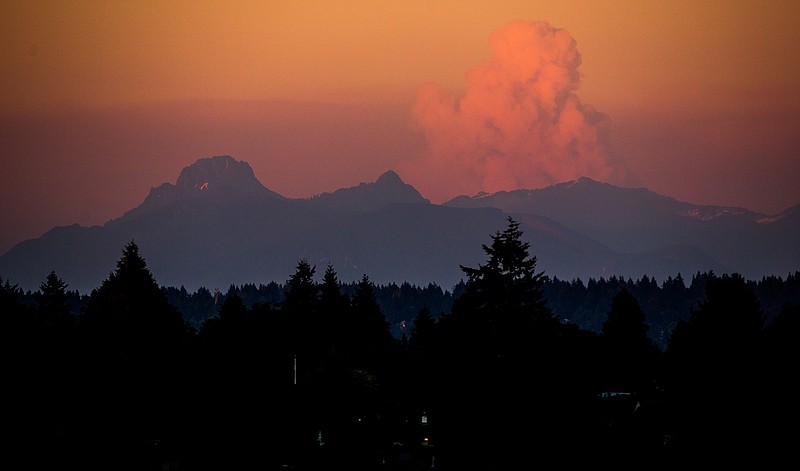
(388, 188)
(218, 225)
(638, 220)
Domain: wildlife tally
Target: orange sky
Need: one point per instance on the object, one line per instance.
(101, 100)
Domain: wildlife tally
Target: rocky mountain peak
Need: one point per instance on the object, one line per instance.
(389, 178)
(389, 188)
(220, 177)
(219, 172)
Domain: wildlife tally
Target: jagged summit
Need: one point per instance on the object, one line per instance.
(219, 172)
(218, 225)
(219, 177)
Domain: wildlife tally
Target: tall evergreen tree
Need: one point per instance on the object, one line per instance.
(631, 357)
(714, 367)
(333, 311)
(53, 303)
(130, 311)
(503, 303)
(502, 360)
(333, 303)
(134, 373)
(301, 290)
(299, 315)
(369, 334)
(14, 317)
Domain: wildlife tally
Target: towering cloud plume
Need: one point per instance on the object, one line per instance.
(519, 124)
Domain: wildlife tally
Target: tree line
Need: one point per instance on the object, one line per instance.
(310, 375)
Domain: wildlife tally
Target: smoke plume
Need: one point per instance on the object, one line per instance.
(519, 124)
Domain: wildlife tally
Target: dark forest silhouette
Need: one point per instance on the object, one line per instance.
(511, 370)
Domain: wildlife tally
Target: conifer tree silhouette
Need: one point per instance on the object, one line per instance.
(501, 361)
(370, 337)
(714, 365)
(299, 314)
(630, 356)
(132, 364)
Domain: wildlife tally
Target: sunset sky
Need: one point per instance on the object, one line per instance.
(102, 100)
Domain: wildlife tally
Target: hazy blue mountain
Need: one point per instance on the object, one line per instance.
(387, 189)
(218, 225)
(637, 220)
(214, 178)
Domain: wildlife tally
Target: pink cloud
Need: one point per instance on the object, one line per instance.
(519, 124)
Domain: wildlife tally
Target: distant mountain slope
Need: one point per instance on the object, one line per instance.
(217, 226)
(629, 219)
(636, 220)
(220, 178)
(387, 189)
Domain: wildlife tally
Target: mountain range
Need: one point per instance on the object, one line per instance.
(218, 226)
